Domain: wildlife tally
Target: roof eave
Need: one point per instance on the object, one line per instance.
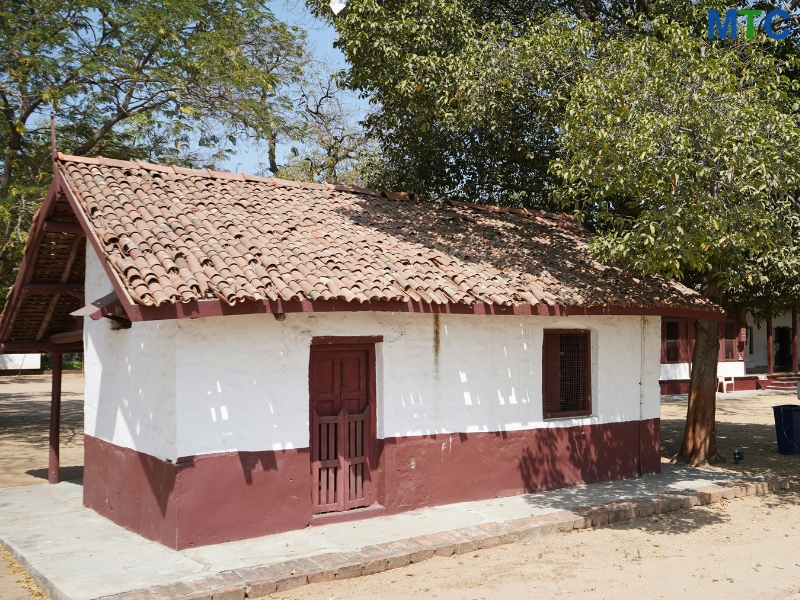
(218, 308)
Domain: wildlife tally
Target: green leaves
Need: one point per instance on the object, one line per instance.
(693, 177)
(131, 79)
(469, 104)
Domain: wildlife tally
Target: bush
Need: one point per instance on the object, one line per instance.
(72, 361)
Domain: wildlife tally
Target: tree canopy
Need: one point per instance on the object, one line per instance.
(468, 104)
(132, 79)
(677, 150)
(682, 153)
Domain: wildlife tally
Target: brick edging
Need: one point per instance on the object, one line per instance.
(257, 582)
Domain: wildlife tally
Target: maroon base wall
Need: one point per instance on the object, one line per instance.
(224, 497)
(201, 500)
(234, 496)
(441, 469)
(135, 490)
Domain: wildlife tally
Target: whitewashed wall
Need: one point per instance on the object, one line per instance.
(242, 382)
(14, 362)
(730, 369)
(129, 396)
(675, 371)
(194, 386)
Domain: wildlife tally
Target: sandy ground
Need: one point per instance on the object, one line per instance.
(14, 581)
(749, 547)
(24, 428)
(744, 421)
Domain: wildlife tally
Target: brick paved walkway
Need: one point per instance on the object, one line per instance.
(74, 554)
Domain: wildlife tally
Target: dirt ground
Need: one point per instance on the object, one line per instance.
(745, 422)
(24, 428)
(747, 547)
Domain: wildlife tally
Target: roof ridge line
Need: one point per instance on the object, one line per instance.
(241, 176)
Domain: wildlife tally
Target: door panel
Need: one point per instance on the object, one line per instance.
(341, 429)
(324, 385)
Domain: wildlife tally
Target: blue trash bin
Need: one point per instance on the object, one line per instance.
(787, 428)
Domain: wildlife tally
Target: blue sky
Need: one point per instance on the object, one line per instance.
(321, 37)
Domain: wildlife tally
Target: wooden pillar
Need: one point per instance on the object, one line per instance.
(770, 358)
(794, 340)
(55, 420)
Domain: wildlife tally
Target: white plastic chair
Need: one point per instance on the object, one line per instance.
(725, 382)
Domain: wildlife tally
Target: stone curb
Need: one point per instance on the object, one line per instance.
(257, 582)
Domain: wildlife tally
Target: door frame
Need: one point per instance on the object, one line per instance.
(357, 343)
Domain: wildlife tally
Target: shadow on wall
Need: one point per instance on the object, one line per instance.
(251, 460)
(576, 455)
(444, 468)
(135, 410)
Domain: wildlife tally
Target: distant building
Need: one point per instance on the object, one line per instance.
(756, 357)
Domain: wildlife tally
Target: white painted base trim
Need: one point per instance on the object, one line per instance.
(673, 371)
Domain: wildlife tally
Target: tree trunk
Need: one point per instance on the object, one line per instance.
(700, 437)
(14, 146)
(271, 144)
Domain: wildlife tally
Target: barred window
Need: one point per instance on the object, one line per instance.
(672, 335)
(730, 334)
(566, 373)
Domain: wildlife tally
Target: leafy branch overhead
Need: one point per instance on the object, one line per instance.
(133, 79)
(682, 152)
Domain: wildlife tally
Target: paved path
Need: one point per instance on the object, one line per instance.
(75, 554)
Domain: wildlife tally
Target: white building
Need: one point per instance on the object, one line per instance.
(750, 356)
(261, 354)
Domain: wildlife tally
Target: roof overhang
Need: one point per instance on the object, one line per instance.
(120, 307)
(49, 283)
(218, 308)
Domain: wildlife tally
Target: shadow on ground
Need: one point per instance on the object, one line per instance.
(756, 441)
(687, 520)
(26, 414)
(73, 473)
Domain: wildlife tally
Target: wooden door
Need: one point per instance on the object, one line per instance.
(342, 432)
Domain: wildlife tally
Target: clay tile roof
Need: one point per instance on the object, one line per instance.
(176, 235)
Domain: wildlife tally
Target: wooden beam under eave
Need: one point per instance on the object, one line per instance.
(51, 308)
(52, 226)
(49, 289)
(26, 267)
(67, 337)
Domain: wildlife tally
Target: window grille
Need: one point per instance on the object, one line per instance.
(672, 340)
(566, 368)
(730, 332)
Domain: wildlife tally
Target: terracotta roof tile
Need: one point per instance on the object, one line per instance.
(177, 235)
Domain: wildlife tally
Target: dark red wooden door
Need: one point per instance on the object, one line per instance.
(341, 429)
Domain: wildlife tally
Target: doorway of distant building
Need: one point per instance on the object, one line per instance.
(343, 432)
(783, 348)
